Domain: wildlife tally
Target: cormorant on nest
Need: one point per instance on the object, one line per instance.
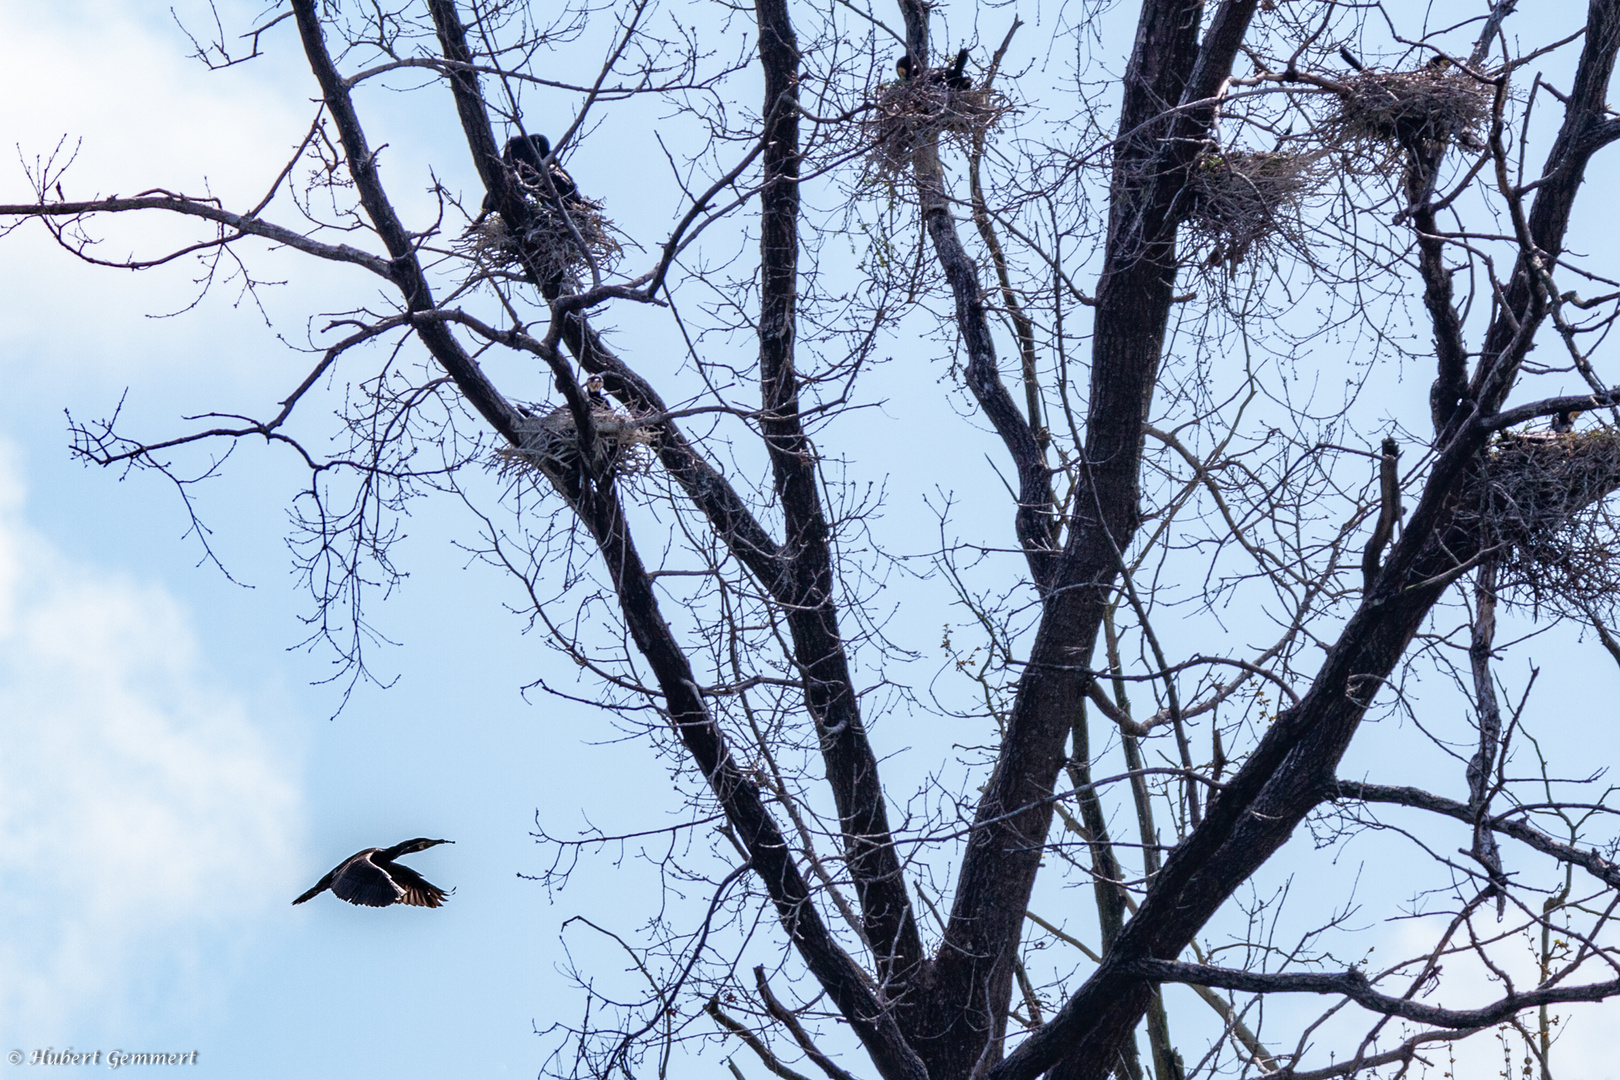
(372, 877)
(1350, 58)
(528, 159)
(951, 80)
(1564, 422)
(593, 392)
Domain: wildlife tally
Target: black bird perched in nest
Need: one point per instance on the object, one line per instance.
(1350, 58)
(372, 877)
(951, 80)
(593, 392)
(1564, 422)
(526, 156)
(1437, 64)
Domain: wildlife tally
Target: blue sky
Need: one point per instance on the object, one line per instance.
(169, 777)
(170, 780)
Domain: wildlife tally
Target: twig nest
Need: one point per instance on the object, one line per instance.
(1539, 499)
(909, 115)
(1407, 108)
(551, 444)
(1237, 199)
(549, 241)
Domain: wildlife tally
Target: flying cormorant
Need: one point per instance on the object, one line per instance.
(372, 877)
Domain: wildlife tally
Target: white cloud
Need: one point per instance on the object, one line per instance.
(111, 83)
(141, 812)
(1583, 1043)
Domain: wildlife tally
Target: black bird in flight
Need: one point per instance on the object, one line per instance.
(372, 877)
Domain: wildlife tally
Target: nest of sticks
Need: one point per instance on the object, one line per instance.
(910, 115)
(548, 242)
(1540, 501)
(551, 444)
(1239, 200)
(1388, 109)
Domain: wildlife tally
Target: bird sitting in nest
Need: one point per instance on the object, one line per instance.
(955, 79)
(1564, 422)
(528, 159)
(372, 877)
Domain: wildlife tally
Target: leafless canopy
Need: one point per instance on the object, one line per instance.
(1226, 611)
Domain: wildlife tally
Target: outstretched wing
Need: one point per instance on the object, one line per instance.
(414, 888)
(360, 881)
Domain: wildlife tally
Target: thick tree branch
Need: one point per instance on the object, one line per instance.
(1355, 986)
(812, 615)
(1134, 299)
(1507, 824)
(1288, 773)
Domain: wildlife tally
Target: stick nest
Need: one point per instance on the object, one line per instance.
(1539, 499)
(1238, 199)
(496, 249)
(908, 116)
(551, 445)
(1407, 108)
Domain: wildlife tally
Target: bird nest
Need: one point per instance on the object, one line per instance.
(1238, 199)
(549, 244)
(910, 115)
(1539, 502)
(551, 444)
(1407, 108)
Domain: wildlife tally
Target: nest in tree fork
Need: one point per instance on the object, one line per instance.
(908, 116)
(1407, 108)
(1237, 199)
(551, 445)
(548, 241)
(1539, 501)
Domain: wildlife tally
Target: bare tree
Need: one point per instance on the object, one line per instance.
(1229, 547)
